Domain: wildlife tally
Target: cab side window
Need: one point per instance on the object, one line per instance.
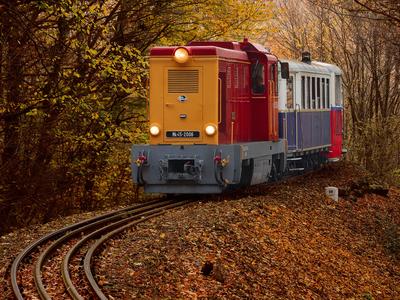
(257, 78)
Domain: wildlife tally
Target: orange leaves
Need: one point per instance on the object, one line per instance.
(285, 241)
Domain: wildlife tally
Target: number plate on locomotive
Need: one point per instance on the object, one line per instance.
(183, 134)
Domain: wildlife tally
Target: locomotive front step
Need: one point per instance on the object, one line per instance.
(294, 158)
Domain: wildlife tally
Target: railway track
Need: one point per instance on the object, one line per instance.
(63, 251)
(79, 243)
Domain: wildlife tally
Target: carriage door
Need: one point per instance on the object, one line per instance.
(292, 113)
(272, 101)
(183, 104)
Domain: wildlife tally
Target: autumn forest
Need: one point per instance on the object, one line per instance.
(74, 86)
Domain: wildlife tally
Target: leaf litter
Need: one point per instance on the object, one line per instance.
(285, 240)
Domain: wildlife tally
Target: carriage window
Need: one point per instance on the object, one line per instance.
(303, 92)
(308, 93)
(289, 95)
(323, 93)
(313, 92)
(338, 90)
(328, 96)
(257, 78)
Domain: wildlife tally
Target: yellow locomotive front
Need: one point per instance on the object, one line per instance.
(183, 154)
(183, 96)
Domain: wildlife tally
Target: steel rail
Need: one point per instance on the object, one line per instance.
(34, 245)
(99, 242)
(49, 250)
(70, 287)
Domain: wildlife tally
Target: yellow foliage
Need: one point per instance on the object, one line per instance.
(224, 20)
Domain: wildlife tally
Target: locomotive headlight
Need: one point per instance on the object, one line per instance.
(154, 130)
(181, 55)
(210, 129)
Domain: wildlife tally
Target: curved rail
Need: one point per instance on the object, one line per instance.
(99, 242)
(45, 254)
(56, 234)
(141, 217)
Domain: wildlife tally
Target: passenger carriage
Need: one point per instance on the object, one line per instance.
(311, 112)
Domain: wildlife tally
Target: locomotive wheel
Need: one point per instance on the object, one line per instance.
(310, 162)
(317, 160)
(275, 173)
(272, 174)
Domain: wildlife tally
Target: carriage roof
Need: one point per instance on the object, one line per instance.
(314, 67)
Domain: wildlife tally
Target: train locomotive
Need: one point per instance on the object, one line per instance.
(226, 115)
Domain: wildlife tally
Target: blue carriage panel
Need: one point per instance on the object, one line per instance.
(305, 130)
(311, 130)
(287, 128)
(316, 129)
(291, 132)
(299, 124)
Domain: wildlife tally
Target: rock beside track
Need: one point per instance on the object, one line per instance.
(286, 240)
(362, 186)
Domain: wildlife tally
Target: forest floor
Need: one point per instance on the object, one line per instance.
(284, 240)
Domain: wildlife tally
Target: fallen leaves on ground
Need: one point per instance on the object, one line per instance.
(286, 240)
(14, 242)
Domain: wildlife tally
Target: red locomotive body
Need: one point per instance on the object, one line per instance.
(249, 107)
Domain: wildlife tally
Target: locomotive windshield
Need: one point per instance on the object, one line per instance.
(257, 78)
